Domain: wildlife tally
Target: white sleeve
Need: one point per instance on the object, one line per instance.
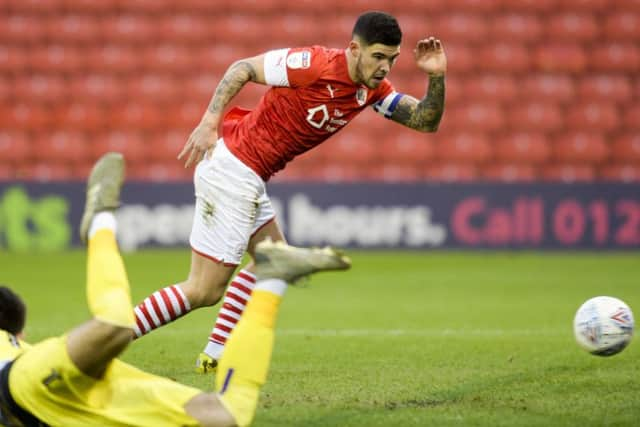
(388, 104)
(275, 67)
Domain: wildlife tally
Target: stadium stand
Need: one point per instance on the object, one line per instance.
(536, 90)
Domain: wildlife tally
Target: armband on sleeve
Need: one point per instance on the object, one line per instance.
(388, 104)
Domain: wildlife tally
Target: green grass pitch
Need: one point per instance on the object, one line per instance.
(403, 339)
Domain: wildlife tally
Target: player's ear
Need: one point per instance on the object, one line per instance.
(355, 48)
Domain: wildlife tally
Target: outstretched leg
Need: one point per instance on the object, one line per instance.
(94, 344)
(245, 362)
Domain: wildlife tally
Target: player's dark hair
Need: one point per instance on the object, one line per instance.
(13, 312)
(378, 27)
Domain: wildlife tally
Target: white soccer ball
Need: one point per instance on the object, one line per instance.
(603, 326)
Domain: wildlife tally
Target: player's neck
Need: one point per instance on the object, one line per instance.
(351, 66)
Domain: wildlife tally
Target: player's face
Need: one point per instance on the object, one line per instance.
(375, 62)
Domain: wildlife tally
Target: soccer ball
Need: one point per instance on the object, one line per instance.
(603, 326)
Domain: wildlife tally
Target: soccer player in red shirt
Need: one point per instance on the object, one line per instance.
(315, 92)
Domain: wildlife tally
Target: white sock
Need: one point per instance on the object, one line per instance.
(275, 286)
(102, 220)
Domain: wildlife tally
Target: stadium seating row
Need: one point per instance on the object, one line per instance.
(440, 171)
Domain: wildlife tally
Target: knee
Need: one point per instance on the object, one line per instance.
(201, 293)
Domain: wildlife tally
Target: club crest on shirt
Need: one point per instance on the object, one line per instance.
(298, 60)
(361, 96)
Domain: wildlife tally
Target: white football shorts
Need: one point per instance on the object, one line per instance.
(231, 205)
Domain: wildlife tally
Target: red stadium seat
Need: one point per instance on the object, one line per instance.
(616, 57)
(580, 147)
(60, 58)
(184, 117)
(138, 115)
(93, 7)
(572, 26)
(8, 172)
(167, 57)
(114, 58)
(464, 148)
(348, 145)
(506, 172)
(622, 26)
(606, 88)
(22, 28)
(199, 88)
(632, 117)
(61, 146)
(153, 88)
(74, 28)
(403, 147)
(556, 88)
(497, 87)
(40, 88)
(395, 172)
(569, 58)
(130, 143)
(626, 148)
(585, 5)
(596, 116)
(460, 58)
(186, 28)
(23, 116)
(519, 148)
(47, 171)
(536, 6)
(536, 117)
(569, 173)
(474, 6)
(473, 117)
(159, 172)
(131, 28)
(6, 90)
(104, 88)
(621, 172)
(14, 146)
(451, 172)
(13, 58)
(81, 116)
(500, 57)
(153, 7)
(338, 172)
(35, 6)
(522, 27)
(165, 147)
(459, 27)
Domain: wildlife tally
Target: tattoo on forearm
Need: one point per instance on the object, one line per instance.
(234, 79)
(426, 114)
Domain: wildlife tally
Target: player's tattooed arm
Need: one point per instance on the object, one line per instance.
(240, 73)
(203, 138)
(424, 115)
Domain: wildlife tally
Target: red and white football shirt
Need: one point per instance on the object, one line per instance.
(312, 98)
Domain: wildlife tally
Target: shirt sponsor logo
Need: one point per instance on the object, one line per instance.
(298, 60)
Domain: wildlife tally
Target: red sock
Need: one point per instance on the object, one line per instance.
(158, 309)
(235, 300)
